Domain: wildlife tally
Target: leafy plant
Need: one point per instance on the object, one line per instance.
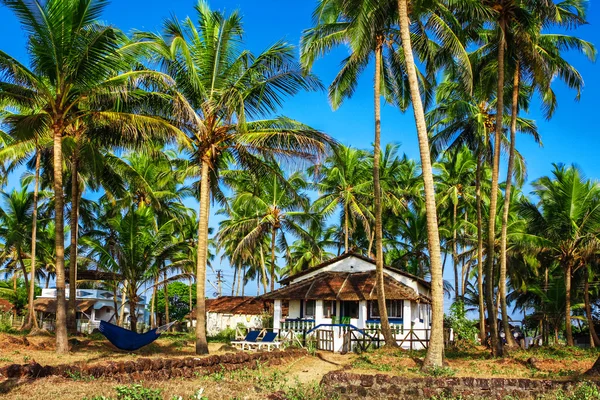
(137, 392)
(440, 371)
(465, 331)
(583, 391)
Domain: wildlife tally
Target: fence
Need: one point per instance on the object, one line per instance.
(10, 320)
(363, 339)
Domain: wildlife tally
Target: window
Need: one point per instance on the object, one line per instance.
(309, 309)
(394, 308)
(423, 313)
(328, 308)
(349, 309)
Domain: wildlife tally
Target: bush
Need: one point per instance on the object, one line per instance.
(224, 336)
(133, 392)
(583, 391)
(465, 331)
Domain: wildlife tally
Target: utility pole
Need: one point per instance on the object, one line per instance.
(219, 282)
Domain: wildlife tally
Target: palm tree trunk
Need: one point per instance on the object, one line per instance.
(568, 328)
(31, 317)
(390, 340)
(201, 343)
(235, 281)
(72, 310)
(263, 267)
(62, 345)
(489, 276)
(509, 174)
(239, 281)
(243, 280)
(23, 270)
(167, 316)
(455, 251)
(123, 301)
(115, 304)
(153, 303)
(594, 340)
(435, 352)
(346, 229)
(191, 301)
(133, 319)
(272, 267)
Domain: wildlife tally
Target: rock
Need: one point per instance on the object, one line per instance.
(533, 363)
(14, 371)
(39, 332)
(227, 347)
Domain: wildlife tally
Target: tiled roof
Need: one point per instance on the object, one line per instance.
(290, 278)
(242, 305)
(5, 305)
(49, 305)
(94, 275)
(345, 286)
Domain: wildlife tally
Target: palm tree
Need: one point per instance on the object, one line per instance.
(435, 351)
(454, 186)
(220, 89)
(15, 229)
(567, 222)
(538, 55)
(134, 243)
(75, 61)
(342, 181)
(369, 29)
(274, 205)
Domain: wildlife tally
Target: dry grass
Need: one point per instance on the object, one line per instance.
(552, 363)
(19, 350)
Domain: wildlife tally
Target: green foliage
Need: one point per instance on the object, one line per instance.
(132, 392)
(364, 361)
(437, 372)
(465, 331)
(179, 303)
(18, 298)
(224, 336)
(583, 391)
(5, 323)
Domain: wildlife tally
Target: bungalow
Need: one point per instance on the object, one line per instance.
(228, 312)
(337, 300)
(98, 305)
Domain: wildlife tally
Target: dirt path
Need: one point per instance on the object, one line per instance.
(310, 369)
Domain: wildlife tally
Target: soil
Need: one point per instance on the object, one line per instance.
(551, 363)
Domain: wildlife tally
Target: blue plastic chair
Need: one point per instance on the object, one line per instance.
(250, 338)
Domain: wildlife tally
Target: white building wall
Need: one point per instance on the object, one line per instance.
(217, 322)
(294, 309)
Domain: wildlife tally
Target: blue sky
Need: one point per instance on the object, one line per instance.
(570, 137)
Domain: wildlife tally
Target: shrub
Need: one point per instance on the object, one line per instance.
(583, 391)
(465, 332)
(133, 392)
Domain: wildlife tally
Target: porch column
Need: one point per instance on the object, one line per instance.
(93, 314)
(362, 314)
(318, 312)
(406, 314)
(277, 316)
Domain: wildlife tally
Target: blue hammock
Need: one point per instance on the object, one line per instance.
(127, 340)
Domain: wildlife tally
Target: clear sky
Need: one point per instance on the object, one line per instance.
(570, 137)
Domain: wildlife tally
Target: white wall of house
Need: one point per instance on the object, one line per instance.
(218, 322)
(103, 309)
(294, 309)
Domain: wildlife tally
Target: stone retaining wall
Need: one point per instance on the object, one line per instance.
(152, 369)
(356, 386)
